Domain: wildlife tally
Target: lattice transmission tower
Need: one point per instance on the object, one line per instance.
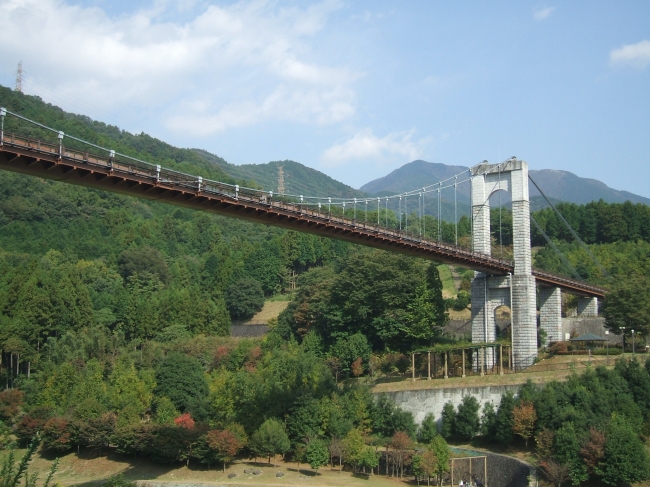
(19, 77)
(281, 179)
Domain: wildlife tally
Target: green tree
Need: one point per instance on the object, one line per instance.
(354, 446)
(140, 260)
(140, 315)
(387, 418)
(434, 286)
(567, 452)
(627, 304)
(503, 422)
(182, 380)
(424, 465)
(447, 420)
(127, 390)
(428, 429)
(369, 458)
(421, 317)
(164, 411)
(350, 348)
(466, 424)
(270, 439)
(442, 453)
(487, 428)
(244, 298)
(317, 454)
(304, 422)
(625, 460)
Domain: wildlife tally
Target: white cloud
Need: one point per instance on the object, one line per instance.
(365, 146)
(542, 13)
(309, 105)
(634, 55)
(231, 65)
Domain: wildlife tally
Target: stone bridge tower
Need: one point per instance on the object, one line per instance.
(518, 290)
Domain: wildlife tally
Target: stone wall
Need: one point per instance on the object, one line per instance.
(424, 401)
(248, 331)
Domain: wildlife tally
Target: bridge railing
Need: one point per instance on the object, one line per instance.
(117, 163)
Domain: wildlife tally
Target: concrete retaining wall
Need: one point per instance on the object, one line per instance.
(424, 401)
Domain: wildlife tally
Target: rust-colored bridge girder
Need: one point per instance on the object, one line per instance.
(35, 158)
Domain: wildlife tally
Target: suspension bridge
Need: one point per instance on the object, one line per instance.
(497, 281)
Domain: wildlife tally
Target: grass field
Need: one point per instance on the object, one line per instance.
(448, 287)
(88, 470)
(271, 309)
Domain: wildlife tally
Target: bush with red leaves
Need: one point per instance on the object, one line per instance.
(10, 403)
(32, 423)
(58, 435)
(184, 421)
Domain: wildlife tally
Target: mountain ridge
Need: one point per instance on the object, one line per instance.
(557, 184)
(298, 178)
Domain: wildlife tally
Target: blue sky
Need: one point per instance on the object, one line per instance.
(354, 89)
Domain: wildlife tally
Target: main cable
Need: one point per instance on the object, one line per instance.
(573, 232)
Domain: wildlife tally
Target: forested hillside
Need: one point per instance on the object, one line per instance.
(298, 178)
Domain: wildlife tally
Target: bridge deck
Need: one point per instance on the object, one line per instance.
(128, 177)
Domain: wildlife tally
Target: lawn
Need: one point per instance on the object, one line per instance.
(90, 470)
(448, 287)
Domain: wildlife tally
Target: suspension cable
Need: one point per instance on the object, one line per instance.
(557, 251)
(455, 210)
(575, 235)
(500, 229)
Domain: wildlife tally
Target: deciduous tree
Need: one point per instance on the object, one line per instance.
(524, 418)
(317, 454)
(225, 443)
(270, 439)
(441, 451)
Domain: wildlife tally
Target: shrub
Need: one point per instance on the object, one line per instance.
(118, 481)
(604, 351)
(558, 347)
(462, 300)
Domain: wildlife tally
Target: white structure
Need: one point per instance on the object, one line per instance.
(518, 290)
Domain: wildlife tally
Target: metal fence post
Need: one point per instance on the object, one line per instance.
(3, 113)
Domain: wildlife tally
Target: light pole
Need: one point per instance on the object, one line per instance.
(633, 343)
(607, 344)
(623, 330)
